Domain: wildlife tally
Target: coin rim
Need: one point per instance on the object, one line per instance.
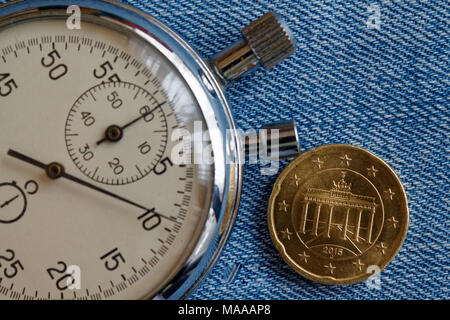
(280, 247)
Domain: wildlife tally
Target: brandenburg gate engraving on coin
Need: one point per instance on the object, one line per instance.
(355, 224)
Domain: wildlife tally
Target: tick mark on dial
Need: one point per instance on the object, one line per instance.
(137, 93)
(139, 170)
(95, 172)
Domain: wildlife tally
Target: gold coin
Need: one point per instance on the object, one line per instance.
(338, 214)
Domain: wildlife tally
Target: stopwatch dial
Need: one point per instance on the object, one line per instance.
(116, 132)
(99, 208)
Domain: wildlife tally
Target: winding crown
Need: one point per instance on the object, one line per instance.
(269, 40)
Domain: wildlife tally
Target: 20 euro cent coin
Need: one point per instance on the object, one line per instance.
(338, 214)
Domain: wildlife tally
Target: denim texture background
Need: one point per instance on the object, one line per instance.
(384, 89)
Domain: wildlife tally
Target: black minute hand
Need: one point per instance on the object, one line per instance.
(119, 130)
(55, 170)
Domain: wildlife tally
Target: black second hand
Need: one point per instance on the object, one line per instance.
(41, 165)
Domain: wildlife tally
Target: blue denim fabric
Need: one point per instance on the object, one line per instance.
(384, 89)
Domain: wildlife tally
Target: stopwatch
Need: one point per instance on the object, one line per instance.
(120, 171)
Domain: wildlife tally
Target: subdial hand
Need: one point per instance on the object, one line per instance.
(55, 170)
(114, 133)
(9, 201)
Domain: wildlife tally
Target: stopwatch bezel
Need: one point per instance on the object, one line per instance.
(208, 92)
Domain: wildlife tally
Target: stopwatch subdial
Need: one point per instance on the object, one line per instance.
(116, 132)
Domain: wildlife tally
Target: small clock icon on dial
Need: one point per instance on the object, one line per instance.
(13, 202)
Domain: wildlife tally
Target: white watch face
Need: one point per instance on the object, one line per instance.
(122, 217)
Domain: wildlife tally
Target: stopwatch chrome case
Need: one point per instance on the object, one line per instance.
(206, 81)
